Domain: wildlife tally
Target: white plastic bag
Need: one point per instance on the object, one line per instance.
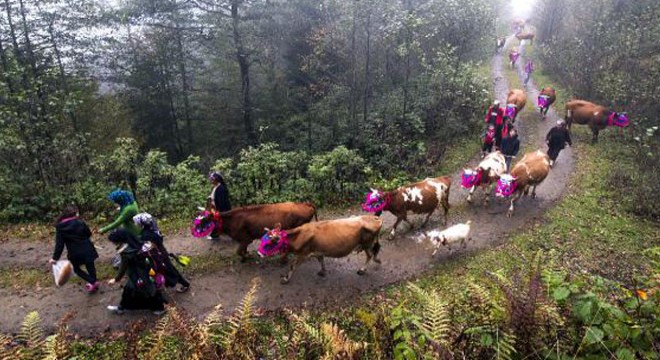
(62, 271)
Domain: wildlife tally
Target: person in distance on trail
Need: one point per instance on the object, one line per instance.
(151, 233)
(218, 200)
(140, 292)
(529, 69)
(510, 147)
(488, 139)
(557, 139)
(513, 57)
(128, 208)
(72, 232)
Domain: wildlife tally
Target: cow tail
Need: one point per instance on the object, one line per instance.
(316, 216)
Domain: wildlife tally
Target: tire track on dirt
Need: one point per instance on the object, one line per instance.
(402, 259)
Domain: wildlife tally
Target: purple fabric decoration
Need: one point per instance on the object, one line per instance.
(506, 186)
(274, 242)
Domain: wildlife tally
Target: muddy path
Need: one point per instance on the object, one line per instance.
(402, 259)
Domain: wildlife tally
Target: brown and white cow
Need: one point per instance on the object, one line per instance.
(499, 44)
(595, 116)
(550, 95)
(484, 176)
(515, 103)
(423, 197)
(336, 239)
(525, 36)
(528, 173)
(247, 223)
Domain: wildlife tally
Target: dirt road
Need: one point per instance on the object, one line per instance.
(401, 259)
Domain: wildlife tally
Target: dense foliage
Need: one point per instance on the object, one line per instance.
(606, 51)
(386, 84)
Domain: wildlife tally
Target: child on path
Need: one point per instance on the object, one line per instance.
(72, 232)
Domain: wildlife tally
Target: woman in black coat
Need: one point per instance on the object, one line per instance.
(219, 199)
(150, 233)
(140, 291)
(71, 232)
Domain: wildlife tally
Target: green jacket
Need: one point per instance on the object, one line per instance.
(125, 218)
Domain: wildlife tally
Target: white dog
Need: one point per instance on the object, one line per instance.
(451, 235)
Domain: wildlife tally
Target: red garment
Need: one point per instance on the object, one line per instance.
(499, 117)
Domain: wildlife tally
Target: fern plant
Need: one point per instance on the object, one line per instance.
(328, 339)
(239, 338)
(435, 318)
(6, 353)
(32, 337)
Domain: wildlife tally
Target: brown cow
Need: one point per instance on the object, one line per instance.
(530, 171)
(484, 176)
(247, 223)
(334, 238)
(551, 95)
(515, 103)
(595, 116)
(525, 36)
(420, 198)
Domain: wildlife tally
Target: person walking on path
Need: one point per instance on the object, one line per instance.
(128, 208)
(150, 233)
(495, 117)
(529, 69)
(218, 200)
(513, 57)
(488, 139)
(140, 292)
(72, 232)
(557, 138)
(510, 147)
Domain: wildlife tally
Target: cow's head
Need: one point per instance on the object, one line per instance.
(273, 242)
(618, 119)
(506, 186)
(543, 101)
(510, 111)
(376, 202)
(471, 178)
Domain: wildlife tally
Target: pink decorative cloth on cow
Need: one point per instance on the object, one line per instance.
(510, 111)
(543, 101)
(506, 186)
(376, 201)
(204, 223)
(274, 242)
(470, 178)
(618, 119)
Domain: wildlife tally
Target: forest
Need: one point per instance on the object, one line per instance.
(326, 101)
(150, 95)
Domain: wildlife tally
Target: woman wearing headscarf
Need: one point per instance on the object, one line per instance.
(150, 233)
(128, 208)
(218, 200)
(140, 292)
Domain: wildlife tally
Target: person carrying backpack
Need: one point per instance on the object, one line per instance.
(142, 288)
(151, 234)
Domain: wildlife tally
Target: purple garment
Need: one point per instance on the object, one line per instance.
(529, 67)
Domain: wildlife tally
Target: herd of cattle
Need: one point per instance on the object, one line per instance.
(338, 238)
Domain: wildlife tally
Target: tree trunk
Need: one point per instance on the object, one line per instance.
(244, 67)
(185, 88)
(63, 80)
(367, 72)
